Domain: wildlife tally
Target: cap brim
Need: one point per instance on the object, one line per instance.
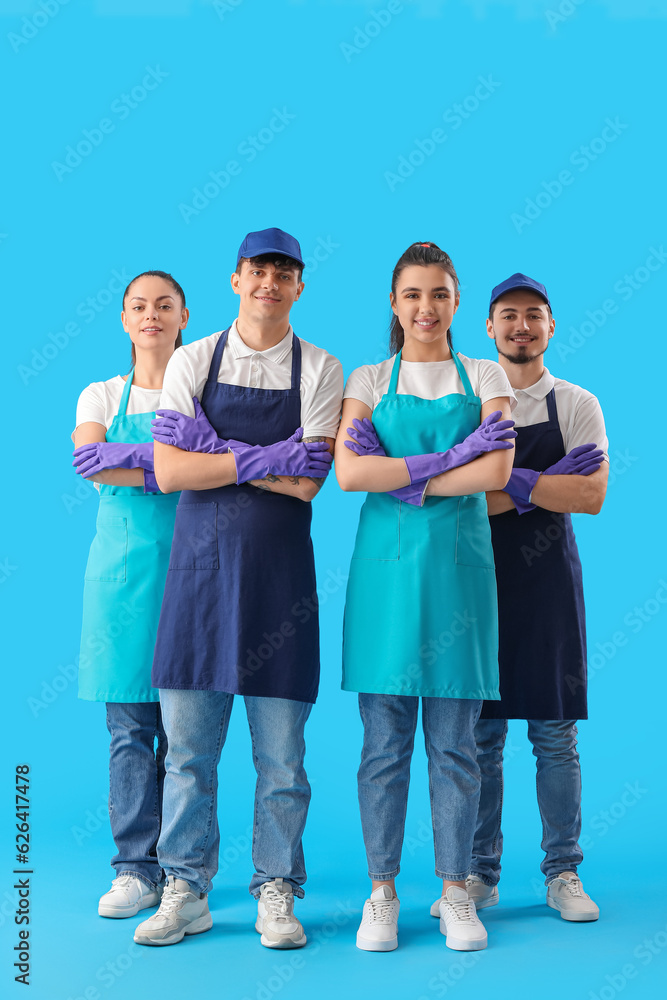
(521, 284)
(280, 253)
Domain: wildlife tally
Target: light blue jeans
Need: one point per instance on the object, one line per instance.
(558, 796)
(136, 776)
(390, 722)
(196, 724)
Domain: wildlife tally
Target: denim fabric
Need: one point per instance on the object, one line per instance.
(390, 722)
(196, 723)
(136, 777)
(558, 795)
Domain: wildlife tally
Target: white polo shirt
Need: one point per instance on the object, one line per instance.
(321, 377)
(579, 413)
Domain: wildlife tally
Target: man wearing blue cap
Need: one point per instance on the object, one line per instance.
(560, 467)
(247, 432)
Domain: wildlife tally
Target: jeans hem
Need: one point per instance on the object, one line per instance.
(456, 877)
(135, 874)
(485, 879)
(551, 878)
(384, 878)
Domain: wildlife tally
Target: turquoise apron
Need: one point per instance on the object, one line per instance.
(421, 608)
(125, 576)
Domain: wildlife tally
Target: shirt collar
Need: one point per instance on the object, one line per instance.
(541, 388)
(275, 354)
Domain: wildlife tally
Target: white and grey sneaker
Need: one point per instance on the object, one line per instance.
(378, 930)
(566, 893)
(275, 916)
(459, 921)
(481, 894)
(127, 895)
(181, 912)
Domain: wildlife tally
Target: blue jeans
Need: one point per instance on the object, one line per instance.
(196, 724)
(558, 796)
(136, 777)
(390, 722)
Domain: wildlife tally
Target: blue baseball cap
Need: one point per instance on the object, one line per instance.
(518, 281)
(270, 241)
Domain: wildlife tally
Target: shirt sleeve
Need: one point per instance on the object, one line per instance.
(586, 425)
(92, 405)
(322, 416)
(181, 384)
(494, 382)
(361, 385)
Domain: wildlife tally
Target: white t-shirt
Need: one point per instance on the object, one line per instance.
(429, 380)
(99, 402)
(321, 377)
(579, 413)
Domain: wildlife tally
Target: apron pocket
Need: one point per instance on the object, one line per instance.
(195, 544)
(107, 561)
(378, 535)
(473, 533)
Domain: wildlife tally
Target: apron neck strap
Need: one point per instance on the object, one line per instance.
(296, 362)
(551, 407)
(463, 375)
(217, 356)
(122, 408)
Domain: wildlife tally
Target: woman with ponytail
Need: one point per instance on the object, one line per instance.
(425, 434)
(124, 582)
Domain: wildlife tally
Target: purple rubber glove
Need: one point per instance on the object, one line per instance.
(188, 433)
(292, 457)
(150, 482)
(581, 461)
(366, 442)
(492, 434)
(90, 459)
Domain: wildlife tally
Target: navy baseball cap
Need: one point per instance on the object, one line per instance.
(519, 281)
(270, 241)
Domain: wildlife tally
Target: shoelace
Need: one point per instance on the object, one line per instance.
(381, 911)
(122, 882)
(171, 898)
(573, 886)
(276, 903)
(463, 910)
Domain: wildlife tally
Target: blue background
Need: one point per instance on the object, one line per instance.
(355, 100)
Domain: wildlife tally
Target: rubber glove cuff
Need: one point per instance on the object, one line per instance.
(522, 483)
(150, 482)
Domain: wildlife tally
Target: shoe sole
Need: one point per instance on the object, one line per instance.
(197, 926)
(579, 916)
(117, 912)
(287, 943)
(364, 944)
(456, 944)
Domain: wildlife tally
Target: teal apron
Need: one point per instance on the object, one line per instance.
(125, 576)
(421, 609)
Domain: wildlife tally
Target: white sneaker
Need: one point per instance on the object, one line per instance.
(566, 893)
(127, 895)
(459, 921)
(275, 917)
(181, 912)
(481, 894)
(378, 930)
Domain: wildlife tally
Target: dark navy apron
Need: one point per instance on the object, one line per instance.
(542, 626)
(240, 606)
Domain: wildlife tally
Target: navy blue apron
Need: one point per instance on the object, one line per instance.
(542, 626)
(240, 605)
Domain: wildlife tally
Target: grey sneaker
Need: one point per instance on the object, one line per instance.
(566, 893)
(127, 895)
(459, 921)
(181, 912)
(481, 894)
(275, 917)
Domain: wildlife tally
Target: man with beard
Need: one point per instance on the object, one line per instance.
(560, 467)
